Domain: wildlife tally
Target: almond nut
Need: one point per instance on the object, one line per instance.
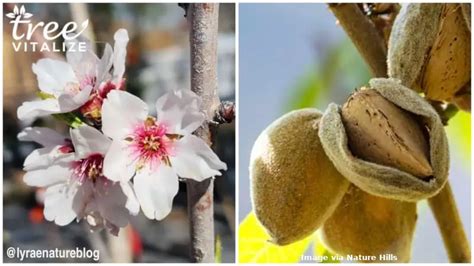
(389, 175)
(381, 132)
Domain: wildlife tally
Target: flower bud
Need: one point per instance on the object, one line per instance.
(388, 141)
(370, 228)
(295, 187)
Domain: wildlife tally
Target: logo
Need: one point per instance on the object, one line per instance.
(24, 41)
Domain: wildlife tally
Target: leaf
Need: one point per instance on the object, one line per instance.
(218, 255)
(22, 10)
(459, 133)
(27, 15)
(15, 10)
(11, 15)
(255, 248)
(307, 91)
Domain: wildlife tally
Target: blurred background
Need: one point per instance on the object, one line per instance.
(294, 56)
(157, 61)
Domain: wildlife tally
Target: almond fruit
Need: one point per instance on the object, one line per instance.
(373, 228)
(413, 33)
(295, 187)
(448, 66)
(430, 50)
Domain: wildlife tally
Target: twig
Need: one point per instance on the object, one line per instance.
(225, 113)
(364, 35)
(203, 20)
(446, 214)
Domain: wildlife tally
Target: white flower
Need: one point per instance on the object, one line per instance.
(71, 172)
(70, 85)
(155, 151)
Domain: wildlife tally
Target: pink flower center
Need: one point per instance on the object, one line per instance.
(89, 168)
(151, 144)
(67, 147)
(72, 88)
(88, 81)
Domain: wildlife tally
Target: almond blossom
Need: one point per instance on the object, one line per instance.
(82, 81)
(71, 171)
(156, 151)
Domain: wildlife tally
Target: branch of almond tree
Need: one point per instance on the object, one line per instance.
(446, 214)
(203, 22)
(370, 45)
(363, 33)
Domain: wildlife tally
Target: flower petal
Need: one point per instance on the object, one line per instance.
(179, 111)
(132, 204)
(34, 109)
(70, 102)
(84, 202)
(111, 203)
(155, 191)
(84, 64)
(118, 165)
(43, 157)
(42, 135)
(58, 205)
(195, 159)
(59, 172)
(121, 112)
(120, 53)
(183, 98)
(53, 75)
(88, 140)
(104, 65)
(38, 158)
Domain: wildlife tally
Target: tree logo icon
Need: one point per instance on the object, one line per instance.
(21, 12)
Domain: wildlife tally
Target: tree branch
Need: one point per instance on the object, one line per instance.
(203, 20)
(450, 225)
(364, 35)
(371, 45)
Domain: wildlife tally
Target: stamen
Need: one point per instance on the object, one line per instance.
(151, 144)
(89, 168)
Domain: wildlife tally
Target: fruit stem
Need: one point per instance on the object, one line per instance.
(450, 225)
